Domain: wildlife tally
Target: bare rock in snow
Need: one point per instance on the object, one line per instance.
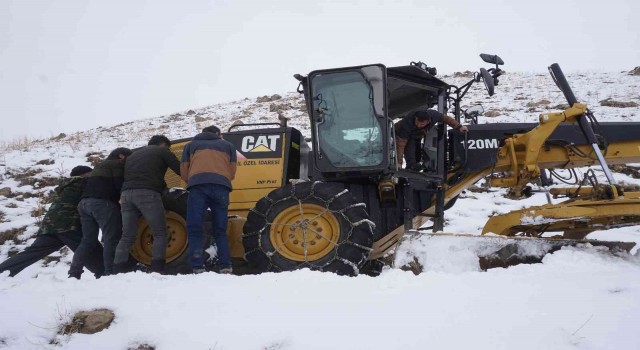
(5, 191)
(271, 98)
(612, 103)
(89, 322)
(492, 113)
(465, 74)
(539, 103)
(262, 99)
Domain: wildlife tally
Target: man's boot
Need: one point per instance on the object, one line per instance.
(75, 273)
(121, 268)
(157, 266)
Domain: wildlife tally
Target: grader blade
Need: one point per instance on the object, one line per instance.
(575, 218)
(486, 251)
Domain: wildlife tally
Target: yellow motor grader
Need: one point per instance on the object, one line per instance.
(342, 202)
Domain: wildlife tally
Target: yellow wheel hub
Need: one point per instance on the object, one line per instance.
(305, 232)
(176, 238)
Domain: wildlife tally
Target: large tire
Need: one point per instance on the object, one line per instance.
(177, 258)
(313, 225)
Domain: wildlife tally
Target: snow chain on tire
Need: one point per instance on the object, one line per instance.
(313, 225)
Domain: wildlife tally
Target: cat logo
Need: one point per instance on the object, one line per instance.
(263, 143)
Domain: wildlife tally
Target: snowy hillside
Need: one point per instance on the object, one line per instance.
(584, 298)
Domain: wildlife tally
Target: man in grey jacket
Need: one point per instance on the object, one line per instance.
(142, 195)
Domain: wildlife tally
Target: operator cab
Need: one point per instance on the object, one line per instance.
(353, 110)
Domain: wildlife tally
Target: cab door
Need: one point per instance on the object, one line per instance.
(348, 113)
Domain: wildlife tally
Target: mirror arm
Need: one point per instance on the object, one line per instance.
(460, 92)
(466, 87)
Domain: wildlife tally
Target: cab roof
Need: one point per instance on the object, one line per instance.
(411, 88)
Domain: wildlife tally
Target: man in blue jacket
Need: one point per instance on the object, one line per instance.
(208, 166)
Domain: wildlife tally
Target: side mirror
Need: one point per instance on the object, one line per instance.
(472, 113)
(493, 59)
(487, 78)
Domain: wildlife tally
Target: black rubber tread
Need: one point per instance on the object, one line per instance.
(176, 201)
(373, 267)
(354, 242)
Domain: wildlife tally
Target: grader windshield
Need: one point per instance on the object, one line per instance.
(348, 109)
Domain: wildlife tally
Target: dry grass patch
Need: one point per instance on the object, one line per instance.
(46, 181)
(40, 209)
(12, 235)
(18, 144)
(46, 162)
(25, 176)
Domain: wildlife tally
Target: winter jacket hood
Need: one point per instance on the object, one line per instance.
(208, 159)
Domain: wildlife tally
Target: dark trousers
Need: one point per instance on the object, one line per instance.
(216, 198)
(47, 244)
(97, 214)
(413, 152)
(148, 203)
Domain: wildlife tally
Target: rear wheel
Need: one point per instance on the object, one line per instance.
(177, 257)
(308, 225)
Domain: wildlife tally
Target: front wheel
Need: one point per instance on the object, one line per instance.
(313, 225)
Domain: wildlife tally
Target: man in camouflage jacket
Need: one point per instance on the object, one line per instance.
(60, 227)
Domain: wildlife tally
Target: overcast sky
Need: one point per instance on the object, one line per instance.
(72, 65)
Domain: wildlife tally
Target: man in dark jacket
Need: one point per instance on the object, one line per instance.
(208, 166)
(142, 194)
(60, 227)
(413, 127)
(99, 210)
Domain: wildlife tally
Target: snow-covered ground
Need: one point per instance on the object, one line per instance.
(584, 298)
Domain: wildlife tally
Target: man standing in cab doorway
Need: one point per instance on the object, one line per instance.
(142, 194)
(412, 129)
(208, 167)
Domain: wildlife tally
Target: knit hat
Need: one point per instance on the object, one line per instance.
(80, 169)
